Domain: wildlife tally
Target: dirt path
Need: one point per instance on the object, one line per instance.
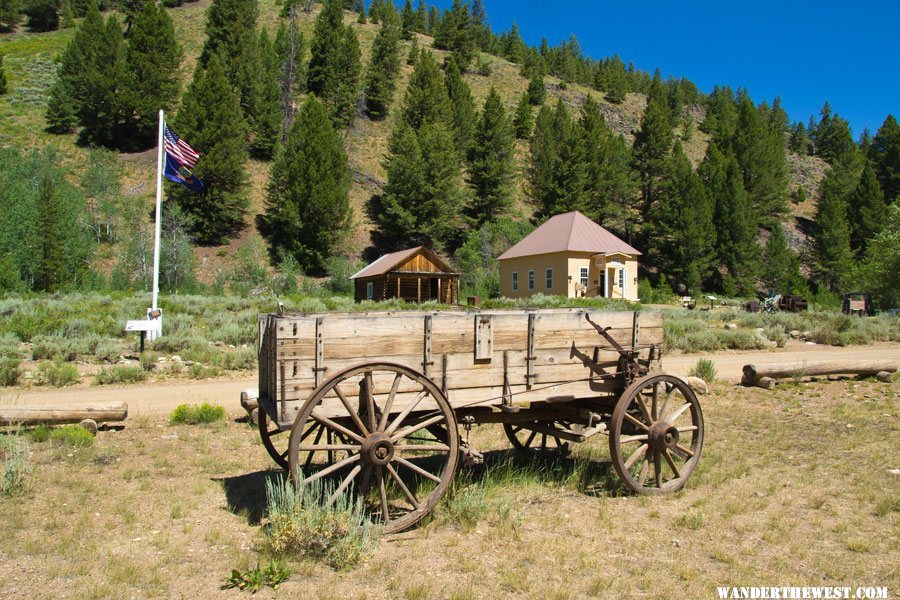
(161, 398)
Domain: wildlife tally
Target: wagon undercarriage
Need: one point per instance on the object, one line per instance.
(391, 433)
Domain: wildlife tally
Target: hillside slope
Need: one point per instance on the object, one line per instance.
(31, 69)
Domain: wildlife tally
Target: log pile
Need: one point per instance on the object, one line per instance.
(765, 376)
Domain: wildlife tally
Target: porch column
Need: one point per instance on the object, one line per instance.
(419, 289)
(398, 288)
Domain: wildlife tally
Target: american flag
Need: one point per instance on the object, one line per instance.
(178, 149)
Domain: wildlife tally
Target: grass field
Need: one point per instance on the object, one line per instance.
(795, 487)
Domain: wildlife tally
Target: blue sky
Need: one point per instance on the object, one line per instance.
(804, 51)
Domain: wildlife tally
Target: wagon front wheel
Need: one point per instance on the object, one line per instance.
(382, 432)
(656, 434)
(537, 439)
(274, 438)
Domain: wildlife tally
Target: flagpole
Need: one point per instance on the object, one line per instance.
(158, 224)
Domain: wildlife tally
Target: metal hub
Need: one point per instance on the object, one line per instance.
(377, 449)
(663, 436)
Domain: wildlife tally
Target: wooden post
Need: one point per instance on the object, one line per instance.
(419, 290)
(439, 298)
(398, 288)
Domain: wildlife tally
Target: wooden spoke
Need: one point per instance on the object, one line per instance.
(684, 451)
(409, 495)
(687, 428)
(417, 469)
(662, 410)
(416, 427)
(409, 408)
(329, 470)
(654, 405)
(340, 489)
(423, 447)
(382, 493)
(671, 462)
(356, 420)
(366, 480)
(309, 458)
(633, 438)
(642, 477)
(636, 423)
(657, 466)
(389, 402)
(336, 427)
(369, 392)
(327, 447)
(636, 455)
(678, 412)
(644, 410)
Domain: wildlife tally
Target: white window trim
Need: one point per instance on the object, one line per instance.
(548, 278)
(623, 281)
(530, 280)
(370, 290)
(515, 281)
(583, 276)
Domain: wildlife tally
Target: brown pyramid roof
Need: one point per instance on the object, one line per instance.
(389, 262)
(569, 232)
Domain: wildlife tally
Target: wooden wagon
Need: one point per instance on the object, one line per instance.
(372, 403)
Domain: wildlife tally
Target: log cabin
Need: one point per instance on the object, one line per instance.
(414, 275)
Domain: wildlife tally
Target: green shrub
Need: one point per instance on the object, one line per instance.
(108, 350)
(301, 524)
(776, 333)
(243, 359)
(72, 436)
(198, 371)
(16, 462)
(705, 370)
(149, 360)
(188, 414)
(467, 506)
(56, 373)
(272, 575)
(120, 374)
(9, 371)
(40, 433)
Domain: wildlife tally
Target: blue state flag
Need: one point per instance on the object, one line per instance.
(180, 159)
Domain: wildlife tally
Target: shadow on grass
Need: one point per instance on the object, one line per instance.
(246, 494)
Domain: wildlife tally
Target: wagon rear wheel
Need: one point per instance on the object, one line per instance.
(535, 439)
(656, 434)
(274, 438)
(382, 432)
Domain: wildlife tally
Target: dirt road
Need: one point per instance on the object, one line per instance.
(161, 398)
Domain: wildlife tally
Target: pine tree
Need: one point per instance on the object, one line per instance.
(421, 21)
(375, 8)
(524, 119)
(268, 117)
(426, 100)
(384, 67)
(683, 239)
(556, 171)
(154, 57)
(799, 139)
(879, 272)
(721, 116)
(455, 34)
(43, 15)
(652, 144)
(733, 219)
(435, 20)
(104, 109)
(609, 182)
(423, 198)
(220, 209)
(833, 138)
(780, 270)
(231, 33)
(407, 20)
(308, 212)
(413, 55)
(886, 156)
(350, 69)
(52, 262)
(462, 108)
(492, 162)
(760, 153)
(537, 93)
(867, 210)
(10, 11)
(831, 254)
(68, 15)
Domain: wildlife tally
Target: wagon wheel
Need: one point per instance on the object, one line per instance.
(656, 434)
(274, 439)
(531, 442)
(383, 432)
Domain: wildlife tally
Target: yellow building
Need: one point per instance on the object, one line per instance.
(573, 256)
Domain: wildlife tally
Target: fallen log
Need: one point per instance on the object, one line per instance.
(764, 375)
(55, 413)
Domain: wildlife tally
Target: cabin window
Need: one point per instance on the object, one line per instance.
(622, 278)
(530, 280)
(548, 275)
(370, 290)
(515, 281)
(584, 277)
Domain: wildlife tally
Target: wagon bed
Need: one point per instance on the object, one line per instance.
(379, 396)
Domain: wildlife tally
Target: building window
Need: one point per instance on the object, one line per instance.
(370, 290)
(530, 280)
(584, 277)
(548, 275)
(622, 278)
(515, 281)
